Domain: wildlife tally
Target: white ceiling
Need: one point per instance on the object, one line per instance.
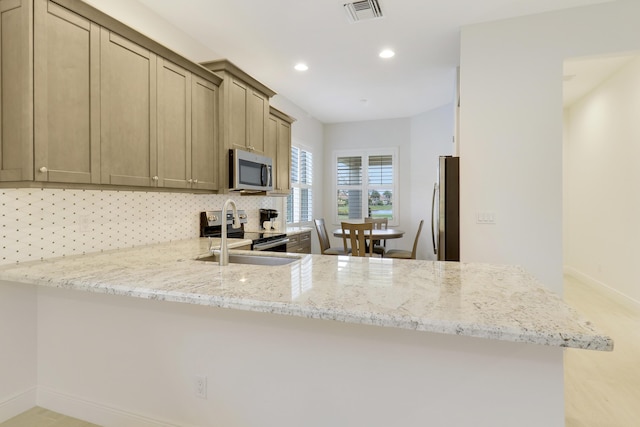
(346, 81)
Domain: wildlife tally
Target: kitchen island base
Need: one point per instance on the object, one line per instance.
(119, 361)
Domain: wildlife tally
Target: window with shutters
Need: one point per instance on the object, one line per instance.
(299, 201)
(366, 185)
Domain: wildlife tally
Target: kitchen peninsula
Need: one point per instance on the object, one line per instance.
(408, 343)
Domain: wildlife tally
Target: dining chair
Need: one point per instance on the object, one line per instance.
(357, 237)
(379, 224)
(325, 243)
(404, 254)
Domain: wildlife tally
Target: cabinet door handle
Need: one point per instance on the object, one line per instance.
(189, 180)
(44, 169)
(155, 178)
(195, 181)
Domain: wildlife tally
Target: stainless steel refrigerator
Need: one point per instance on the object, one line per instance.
(445, 210)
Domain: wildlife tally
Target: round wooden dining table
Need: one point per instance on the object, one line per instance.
(381, 234)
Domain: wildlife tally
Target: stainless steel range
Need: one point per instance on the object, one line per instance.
(211, 223)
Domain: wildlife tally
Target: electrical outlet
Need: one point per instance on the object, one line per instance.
(201, 387)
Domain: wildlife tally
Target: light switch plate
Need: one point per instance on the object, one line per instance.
(485, 217)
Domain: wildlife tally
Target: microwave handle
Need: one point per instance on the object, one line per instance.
(268, 175)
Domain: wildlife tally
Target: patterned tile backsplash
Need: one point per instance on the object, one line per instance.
(37, 224)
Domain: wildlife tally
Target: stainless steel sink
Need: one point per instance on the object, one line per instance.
(252, 259)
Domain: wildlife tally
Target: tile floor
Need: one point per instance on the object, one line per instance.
(40, 417)
(602, 389)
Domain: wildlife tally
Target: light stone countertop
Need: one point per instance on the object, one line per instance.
(476, 300)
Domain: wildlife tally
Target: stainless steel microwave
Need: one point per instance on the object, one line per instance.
(249, 171)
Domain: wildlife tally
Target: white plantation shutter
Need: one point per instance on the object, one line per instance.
(349, 177)
(381, 170)
(366, 184)
(295, 172)
(349, 171)
(381, 183)
(306, 167)
(299, 201)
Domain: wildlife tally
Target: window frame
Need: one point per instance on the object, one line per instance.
(365, 187)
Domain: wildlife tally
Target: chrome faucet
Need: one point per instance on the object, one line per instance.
(224, 249)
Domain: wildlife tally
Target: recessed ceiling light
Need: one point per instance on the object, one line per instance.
(387, 53)
(301, 67)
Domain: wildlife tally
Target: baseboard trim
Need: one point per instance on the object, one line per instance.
(94, 412)
(612, 293)
(17, 404)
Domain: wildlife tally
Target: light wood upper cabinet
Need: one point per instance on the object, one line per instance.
(280, 148)
(87, 100)
(235, 113)
(67, 96)
(174, 125)
(283, 158)
(128, 112)
(244, 114)
(187, 155)
(204, 134)
(257, 117)
(16, 91)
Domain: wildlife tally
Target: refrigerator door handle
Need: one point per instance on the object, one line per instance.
(433, 218)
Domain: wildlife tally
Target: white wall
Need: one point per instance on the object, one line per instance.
(132, 362)
(431, 137)
(152, 25)
(511, 128)
(18, 344)
(603, 183)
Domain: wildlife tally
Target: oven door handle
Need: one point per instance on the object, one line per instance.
(269, 245)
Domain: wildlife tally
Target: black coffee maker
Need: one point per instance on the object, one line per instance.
(267, 215)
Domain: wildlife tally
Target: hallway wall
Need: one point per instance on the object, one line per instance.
(511, 128)
(602, 183)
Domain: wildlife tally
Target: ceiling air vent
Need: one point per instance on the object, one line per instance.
(363, 10)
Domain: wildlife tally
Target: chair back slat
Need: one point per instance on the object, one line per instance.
(357, 238)
(415, 243)
(323, 237)
(378, 223)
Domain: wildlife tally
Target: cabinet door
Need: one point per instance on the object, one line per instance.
(248, 115)
(204, 136)
(66, 90)
(257, 119)
(128, 112)
(271, 144)
(283, 149)
(237, 115)
(279, 147)
(16, 144)
(174, 125)
(305, 243)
